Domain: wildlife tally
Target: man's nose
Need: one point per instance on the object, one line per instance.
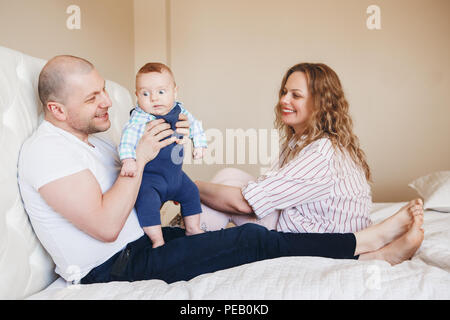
(106, 100)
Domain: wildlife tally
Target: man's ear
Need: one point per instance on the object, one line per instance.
(57, 110)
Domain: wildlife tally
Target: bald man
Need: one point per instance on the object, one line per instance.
(79, 208)
(82, 209)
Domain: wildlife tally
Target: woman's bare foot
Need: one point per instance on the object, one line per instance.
(402, 248)
(379, 235)
(401, 221)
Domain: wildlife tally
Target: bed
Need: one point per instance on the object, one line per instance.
(27, 271)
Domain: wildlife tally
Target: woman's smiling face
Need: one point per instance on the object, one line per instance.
(296, 102)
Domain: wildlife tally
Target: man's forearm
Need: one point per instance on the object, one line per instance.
(119, 200)
(79, 199)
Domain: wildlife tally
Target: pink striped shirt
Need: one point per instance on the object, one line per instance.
(321, 190)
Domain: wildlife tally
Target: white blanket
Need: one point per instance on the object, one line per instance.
(425, 276)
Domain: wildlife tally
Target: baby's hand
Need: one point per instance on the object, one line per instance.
(129, 168)
(199, 153)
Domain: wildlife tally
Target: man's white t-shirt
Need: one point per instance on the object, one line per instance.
(52, 153)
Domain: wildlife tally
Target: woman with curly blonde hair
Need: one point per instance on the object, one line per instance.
(316, 133)
(320, 183)
(329, 114)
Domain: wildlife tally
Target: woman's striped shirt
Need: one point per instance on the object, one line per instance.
(321, 190)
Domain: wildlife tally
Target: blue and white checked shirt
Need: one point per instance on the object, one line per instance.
(134, 129)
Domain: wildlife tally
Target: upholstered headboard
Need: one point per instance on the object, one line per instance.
(25, 267)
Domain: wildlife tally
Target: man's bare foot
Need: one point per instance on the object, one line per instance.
(379, 235)
(402, 248)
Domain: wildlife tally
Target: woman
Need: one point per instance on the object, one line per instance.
(320, 182)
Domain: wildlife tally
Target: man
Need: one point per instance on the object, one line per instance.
(82, 209)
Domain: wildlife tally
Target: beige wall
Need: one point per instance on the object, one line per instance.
(151, 32)
(106, 37)
(229, 58)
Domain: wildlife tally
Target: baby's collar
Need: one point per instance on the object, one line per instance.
(138, 109)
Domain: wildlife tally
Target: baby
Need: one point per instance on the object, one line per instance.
(163, 178)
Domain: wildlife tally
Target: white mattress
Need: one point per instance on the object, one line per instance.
(425, 276)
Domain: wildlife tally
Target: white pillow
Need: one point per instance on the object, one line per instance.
(435, 190)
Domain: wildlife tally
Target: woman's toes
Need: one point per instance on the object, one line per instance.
(415, 210)
(420, 220)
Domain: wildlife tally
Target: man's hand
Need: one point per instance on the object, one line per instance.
(151, 141)
(182, 127)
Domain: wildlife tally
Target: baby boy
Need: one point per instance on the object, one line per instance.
(163, 178)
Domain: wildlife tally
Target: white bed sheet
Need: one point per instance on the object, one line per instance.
(425, 276)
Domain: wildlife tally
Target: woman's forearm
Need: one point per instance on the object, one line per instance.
(223, 198)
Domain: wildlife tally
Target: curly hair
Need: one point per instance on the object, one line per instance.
(329, 118)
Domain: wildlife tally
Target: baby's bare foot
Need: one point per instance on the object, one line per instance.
(192, 231)
(157, 243)
(404, 247)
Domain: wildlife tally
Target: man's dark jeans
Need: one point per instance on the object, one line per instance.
(185, 257)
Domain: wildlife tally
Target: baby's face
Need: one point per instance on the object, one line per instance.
(156, 92)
